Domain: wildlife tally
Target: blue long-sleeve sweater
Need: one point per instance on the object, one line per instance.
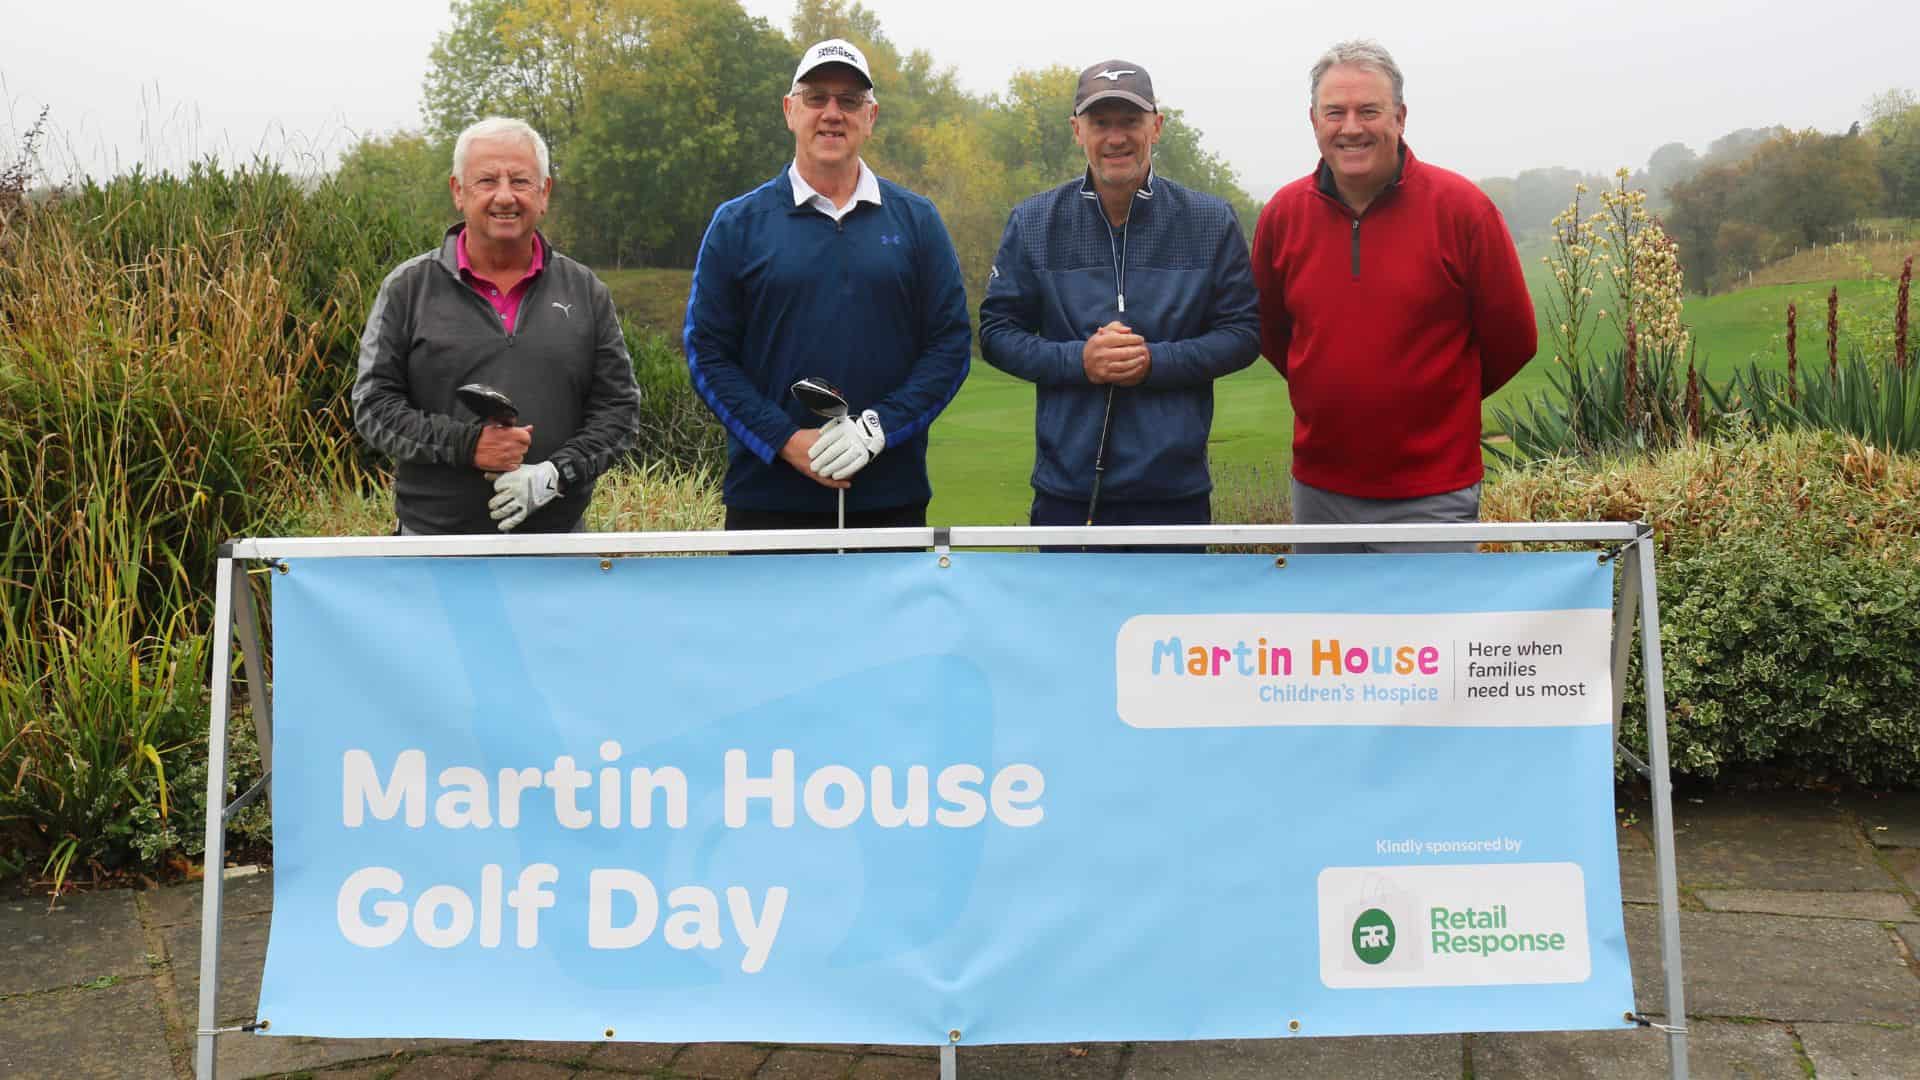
(1189, 292)
(873, 303)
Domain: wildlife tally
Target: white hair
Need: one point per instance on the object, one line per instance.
(494, 127)
(1370, 55)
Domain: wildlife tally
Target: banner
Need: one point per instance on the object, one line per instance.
(866, 798)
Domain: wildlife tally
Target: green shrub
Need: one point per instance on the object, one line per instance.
(1789, 577)
(1591, 409)
(653, 497)
(170, 376)
(1870, 399)
(676, 427)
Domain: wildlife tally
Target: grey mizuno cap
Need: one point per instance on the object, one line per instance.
(1114, 79)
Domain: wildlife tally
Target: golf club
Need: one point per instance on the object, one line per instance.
(1100, 457)
(822, 398)
(489, 404)
(1106, 418)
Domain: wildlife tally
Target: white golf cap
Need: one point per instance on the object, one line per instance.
(834, 51)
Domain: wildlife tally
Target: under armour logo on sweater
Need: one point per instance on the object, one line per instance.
(565, 309)
(885, 239)
(1114, 76)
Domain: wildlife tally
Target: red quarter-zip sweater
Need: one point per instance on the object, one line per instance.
(1390, 327)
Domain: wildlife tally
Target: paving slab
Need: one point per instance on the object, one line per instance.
(1054, 1061)
(1906, 866)
(247, 894)
(1874, 906)
(905, 1051)
(112, 1032)
(1892, 820)
(1638, 881)
(1715, 1051)
(243, 956)
(719, 1061)
(1410, 1057)
(1775, 967)
(633, 1057)
(85, 937)
(528, 1070)
(791, 1064)
(888, 1067)
(1771, 840)
(441, 1067)
(1861, 1051)
(239, 1056)
(574, 1054)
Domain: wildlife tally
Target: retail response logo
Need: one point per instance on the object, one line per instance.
(1373, 936)
(1490, 925)
(1479, 669)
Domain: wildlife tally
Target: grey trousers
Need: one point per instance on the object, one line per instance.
(1315, 506)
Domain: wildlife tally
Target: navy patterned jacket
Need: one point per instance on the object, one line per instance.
(1188, 286)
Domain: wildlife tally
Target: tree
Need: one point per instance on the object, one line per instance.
(1809, 185)
(1893, 125)
(1671, 164)
(1029, 127)
(405, 171)
(680, 126)
(1181, 157)
(1736, 146)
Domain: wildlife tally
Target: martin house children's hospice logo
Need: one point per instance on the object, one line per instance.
(1454, 669)
(1485, 925)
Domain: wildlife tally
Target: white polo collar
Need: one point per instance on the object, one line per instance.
(866, 189)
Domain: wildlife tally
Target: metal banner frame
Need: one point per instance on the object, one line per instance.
(236, 613)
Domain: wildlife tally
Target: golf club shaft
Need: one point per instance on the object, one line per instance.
(1100, 457)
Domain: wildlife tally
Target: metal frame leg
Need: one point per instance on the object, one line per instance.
(1661, 782)
(229, 579)
(949, 1063)
(1625, 610)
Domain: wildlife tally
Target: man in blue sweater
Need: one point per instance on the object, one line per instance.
(1121, 296)
(827, 271)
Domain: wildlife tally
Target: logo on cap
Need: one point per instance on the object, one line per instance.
(834, 50)
(1114, 76)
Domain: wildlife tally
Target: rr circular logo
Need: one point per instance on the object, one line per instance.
(1373, 936)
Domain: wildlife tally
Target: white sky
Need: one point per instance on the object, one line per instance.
(1492, 87)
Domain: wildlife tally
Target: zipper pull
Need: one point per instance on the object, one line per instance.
(1123, 303)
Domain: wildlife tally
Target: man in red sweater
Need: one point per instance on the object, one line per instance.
(1392, 302)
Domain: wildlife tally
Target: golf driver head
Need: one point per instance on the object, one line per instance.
(488, 403)
(820, 397)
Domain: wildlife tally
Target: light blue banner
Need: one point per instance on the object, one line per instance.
(869, 799)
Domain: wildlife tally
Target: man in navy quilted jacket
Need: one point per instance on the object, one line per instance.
(1121, 296)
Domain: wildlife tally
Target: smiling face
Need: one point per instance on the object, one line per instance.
(1358, 128)
(502, 194)
(1118, 138)
(827, 134)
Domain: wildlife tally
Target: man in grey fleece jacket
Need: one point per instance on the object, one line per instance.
(495, 304)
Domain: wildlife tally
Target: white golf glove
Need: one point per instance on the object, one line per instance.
(846, 445)
(522, 491)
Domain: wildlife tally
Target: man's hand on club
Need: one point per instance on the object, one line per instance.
(1115, 354)
(846, 444)
(501, 448)
(796, 452)
(521, 491)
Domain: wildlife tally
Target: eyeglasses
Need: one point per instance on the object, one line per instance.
(851, 101)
